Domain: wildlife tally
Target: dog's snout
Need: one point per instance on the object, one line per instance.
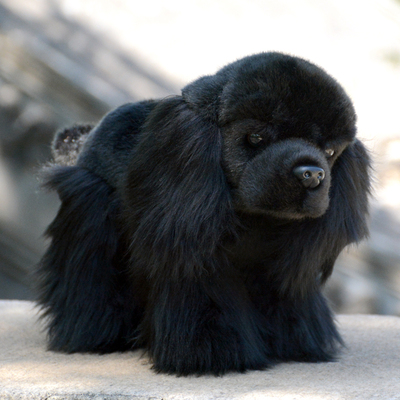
(309, 175)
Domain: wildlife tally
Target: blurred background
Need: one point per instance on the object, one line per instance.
(67, 61)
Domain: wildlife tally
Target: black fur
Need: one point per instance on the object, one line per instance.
(178, 235)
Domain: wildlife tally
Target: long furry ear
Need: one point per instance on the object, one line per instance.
(347, 217)
(349, 197)
(179, 204)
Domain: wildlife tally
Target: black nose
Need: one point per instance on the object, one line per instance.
(309, 175)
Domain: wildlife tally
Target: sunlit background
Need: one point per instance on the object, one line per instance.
(67, 61)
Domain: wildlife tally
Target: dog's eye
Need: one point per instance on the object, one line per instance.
(254, 139)
(329, 152)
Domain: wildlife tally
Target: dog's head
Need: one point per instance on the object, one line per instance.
(269, 135)
(284, 124)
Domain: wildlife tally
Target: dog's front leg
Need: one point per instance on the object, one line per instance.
(202, 326)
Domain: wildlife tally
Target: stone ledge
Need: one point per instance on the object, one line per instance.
(369, 368)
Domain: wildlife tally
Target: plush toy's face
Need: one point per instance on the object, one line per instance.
(284, 127)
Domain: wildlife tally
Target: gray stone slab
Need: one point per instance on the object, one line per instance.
(368, 369)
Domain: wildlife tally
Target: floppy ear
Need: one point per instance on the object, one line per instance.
(346, 219)
(178, 201)
(351, 188)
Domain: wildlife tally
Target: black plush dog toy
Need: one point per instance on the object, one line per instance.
(202, 227)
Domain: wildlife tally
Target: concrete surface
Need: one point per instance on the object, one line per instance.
(368, 369)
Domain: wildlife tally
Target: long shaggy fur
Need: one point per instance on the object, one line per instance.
(184, 230)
